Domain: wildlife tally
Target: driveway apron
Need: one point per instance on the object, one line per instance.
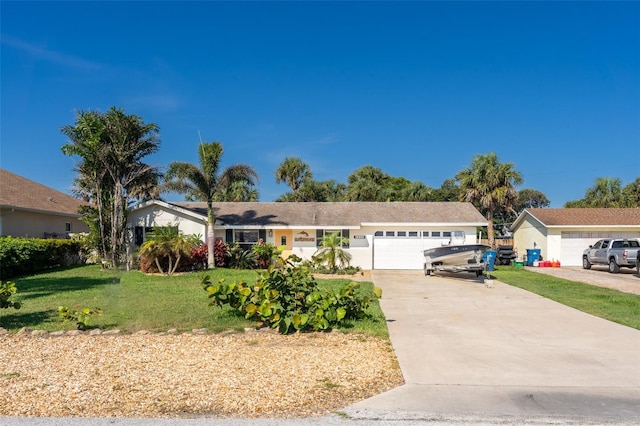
(490, 349)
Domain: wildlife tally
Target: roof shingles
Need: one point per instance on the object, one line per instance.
(587, 216)
(339, 214)
(24, 194)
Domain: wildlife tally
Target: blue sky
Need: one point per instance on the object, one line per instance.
(414, 88)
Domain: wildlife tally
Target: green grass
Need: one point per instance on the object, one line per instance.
(613, 305)
(143, 302)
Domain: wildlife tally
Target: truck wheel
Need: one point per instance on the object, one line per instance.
(585, 263)
(613, 266)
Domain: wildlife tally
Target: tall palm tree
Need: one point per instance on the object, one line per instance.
(606, 192)
(111, 147)
(294, 172)
(206, 182)
(367, 183)
(489, 185)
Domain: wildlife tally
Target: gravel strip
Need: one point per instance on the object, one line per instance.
(255, 374)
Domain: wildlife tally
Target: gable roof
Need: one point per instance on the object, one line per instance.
(346, 214)
(24, 194)
(583, 217)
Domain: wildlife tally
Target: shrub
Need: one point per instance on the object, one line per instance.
(221, 253)
(239, 258)
(8, 289)
(289, 299)
(82, 318)
(266, 254)
(28, 255)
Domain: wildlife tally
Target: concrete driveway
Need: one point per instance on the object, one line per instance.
(495, 351)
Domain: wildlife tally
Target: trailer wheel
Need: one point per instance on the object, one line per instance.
(478, 273)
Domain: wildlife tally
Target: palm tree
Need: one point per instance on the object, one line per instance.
(206, 182)
(111, 147)
(606, 192)
(367, 183)
(294, 172)
(331, 252)
(489, 185)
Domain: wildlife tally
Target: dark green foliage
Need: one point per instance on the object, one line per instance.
(8, 289)
(289, 299)
(20, 256)
(239, 258)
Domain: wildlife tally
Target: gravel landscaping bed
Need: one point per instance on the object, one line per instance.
(255, 374)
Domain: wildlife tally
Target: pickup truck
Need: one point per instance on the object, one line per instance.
(615, 252)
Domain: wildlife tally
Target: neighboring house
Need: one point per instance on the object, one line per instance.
(563, 234)
(29, 209)
(389, 235)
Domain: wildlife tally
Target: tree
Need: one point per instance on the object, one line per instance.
(631, 193)
(531, 199)
(606, 192)
(294, 172)
(366, 184)
(313, 190)
(489, 185)
(111, 147)
(207, 182)
(448, 191)
(331, 252)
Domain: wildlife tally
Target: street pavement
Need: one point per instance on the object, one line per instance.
(477, 352)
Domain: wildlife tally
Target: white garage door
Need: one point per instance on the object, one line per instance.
(574, 243)
(398, 253)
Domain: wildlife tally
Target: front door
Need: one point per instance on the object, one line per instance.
(283, 238)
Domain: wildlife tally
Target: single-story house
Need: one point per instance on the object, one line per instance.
(563, 234)
(381, 235)
(30, 209)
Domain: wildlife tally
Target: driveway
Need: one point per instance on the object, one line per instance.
(495, 351)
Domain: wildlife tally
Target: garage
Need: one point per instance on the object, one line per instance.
(398, 253)
(573, 244)
(404, 249)
(564, 234)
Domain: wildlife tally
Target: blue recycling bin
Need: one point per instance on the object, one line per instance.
(489, 257)
(532, 256)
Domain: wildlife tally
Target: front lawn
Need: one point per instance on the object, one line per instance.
(144, 302)
(613, 305)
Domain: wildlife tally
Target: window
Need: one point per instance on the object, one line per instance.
(283, 240)
(246, 238)
(67, 226)
(446, 234)
(378, 234)
(605, 244)
(344, 233)
(413, 233)
(435, 233)
(401, 234)
(390, 234)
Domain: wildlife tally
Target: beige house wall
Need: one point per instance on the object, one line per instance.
(531, 234)
(20, 223)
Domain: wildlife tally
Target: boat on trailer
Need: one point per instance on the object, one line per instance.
(455, 256)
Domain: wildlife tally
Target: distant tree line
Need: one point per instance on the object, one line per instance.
(110, 149)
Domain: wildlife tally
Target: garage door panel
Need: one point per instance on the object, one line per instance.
(398, 253)
(573, 244)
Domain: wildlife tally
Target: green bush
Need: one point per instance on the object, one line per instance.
(289, 299)
(20, 256)
(8, 289)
